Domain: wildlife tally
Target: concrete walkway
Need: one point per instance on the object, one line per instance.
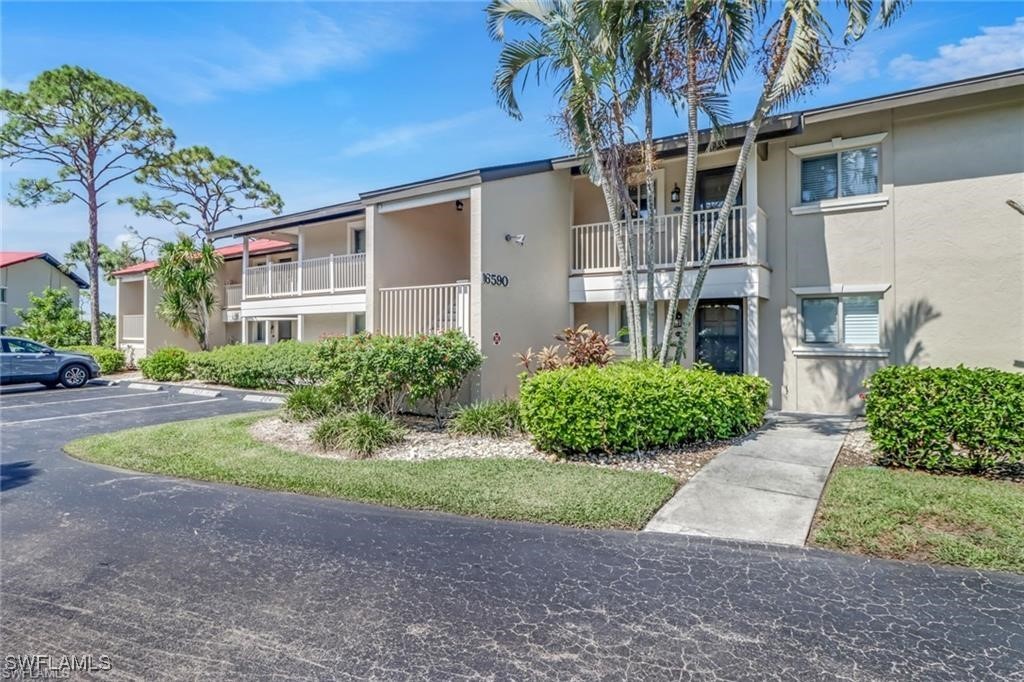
(764, 489)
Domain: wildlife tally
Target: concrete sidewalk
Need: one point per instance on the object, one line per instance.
(765, 488)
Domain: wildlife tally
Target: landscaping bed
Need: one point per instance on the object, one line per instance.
(222, 449)
(424, 440)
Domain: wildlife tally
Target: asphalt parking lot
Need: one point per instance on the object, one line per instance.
(176, 579)
(70, 412)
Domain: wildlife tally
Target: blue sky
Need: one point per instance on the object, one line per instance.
(329, 99)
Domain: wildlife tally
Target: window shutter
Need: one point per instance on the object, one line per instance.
(860, 321)
(860, 171)
(821, 316)
(818, 178)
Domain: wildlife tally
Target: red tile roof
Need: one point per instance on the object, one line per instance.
(255, 246)
(14, 257)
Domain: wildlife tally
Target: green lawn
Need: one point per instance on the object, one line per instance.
(220, 449)
(924, 517)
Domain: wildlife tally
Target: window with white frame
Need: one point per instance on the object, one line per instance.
(846, 320)
(847, 173)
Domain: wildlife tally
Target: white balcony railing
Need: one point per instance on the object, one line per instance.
(232, 295)
(432, 309)
(132, 328)
(325, 275)
(593, 245)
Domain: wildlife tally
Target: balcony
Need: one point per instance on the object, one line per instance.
(232, 295)
(593, 245)
(431, 309)
(310, 276)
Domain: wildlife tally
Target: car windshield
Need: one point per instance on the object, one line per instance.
(23, 346)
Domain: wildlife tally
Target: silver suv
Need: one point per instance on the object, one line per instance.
(25, 362)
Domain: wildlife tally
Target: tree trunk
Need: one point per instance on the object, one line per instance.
(764, 104)
(685, 225)
(94, 266)
(649, 222)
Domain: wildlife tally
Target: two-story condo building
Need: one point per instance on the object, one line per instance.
(871, 232)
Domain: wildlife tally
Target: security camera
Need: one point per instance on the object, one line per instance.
(517, 238)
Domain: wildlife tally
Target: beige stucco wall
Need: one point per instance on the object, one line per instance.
(315, 326)
(30, 277)
(413, 247)
(534, 305)
(331, 237)
(946, 245)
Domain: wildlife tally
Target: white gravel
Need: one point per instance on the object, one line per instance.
(424, 441)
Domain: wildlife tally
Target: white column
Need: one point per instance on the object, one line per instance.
(298, 268)
(245, 328)
(298, 328)
(751, 342)
(750, 199)
(245, 264)
(267, 324)
(119, 312)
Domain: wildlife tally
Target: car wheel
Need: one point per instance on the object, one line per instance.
(74, 376)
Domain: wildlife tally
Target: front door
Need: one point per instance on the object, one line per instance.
(720, 335)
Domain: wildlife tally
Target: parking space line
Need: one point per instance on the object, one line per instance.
(127, 409)
(8, 395)
(79, 400)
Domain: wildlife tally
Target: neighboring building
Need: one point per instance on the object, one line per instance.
(31, 272)
(140, 330)
(867, 233)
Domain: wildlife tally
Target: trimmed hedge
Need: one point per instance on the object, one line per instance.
(634, 406)
(110, 360)
(166, 364)
(946, 419)
(279, 365)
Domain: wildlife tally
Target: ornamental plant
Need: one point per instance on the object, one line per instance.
(630, 406)
(957, 419)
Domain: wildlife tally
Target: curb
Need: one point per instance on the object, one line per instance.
(257, 398)
(145, 387)
(204, 392)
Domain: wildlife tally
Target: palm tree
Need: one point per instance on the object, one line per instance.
(795, 55)
(710, 39)
(188, 277)
(569, 42)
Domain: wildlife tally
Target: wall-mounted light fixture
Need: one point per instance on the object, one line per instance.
(458, 204)
(675, 194)
(517, 238)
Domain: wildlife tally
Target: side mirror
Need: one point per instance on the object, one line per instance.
(48, 351)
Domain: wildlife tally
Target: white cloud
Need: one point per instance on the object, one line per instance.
(861, 64)
(997, 48)
(310, 44)
(410, 133)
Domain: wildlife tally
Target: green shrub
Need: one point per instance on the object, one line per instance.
(946, 419)
(110, 359)
(360, 433)
(166, 364)
(307, 403)
(258, 366)
(493, 418)
(632, 406)
(441, 364)
(383, 373)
